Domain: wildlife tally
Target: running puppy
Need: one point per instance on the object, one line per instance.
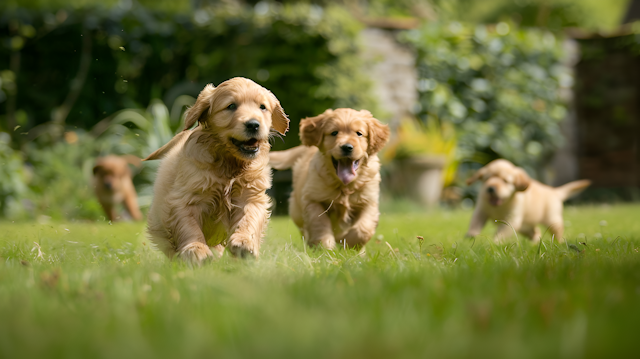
(113, 185)
(210, 188)
(509, 194)
(336, 177)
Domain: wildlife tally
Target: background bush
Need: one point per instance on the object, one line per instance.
(499, 85)
(73, 67)
(13, 179)
(67, 73)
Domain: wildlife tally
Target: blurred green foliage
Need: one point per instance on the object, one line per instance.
(13, 179)
(62, 181)
(61, 184)
(549, 14)
(93, 61)
(70, 68)
(499, 85)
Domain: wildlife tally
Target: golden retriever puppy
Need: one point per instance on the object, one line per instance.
(509, 194)
(210, 188)
(336, 177)
(112, 182)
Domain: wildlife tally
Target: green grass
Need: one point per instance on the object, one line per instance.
(99, 291)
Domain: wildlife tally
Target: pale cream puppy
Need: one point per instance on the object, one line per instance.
(509, 194)
(336, 177)
(210, 188)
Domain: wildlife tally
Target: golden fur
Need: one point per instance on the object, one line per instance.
(509, 194)
(211, 184)
(330, 203)
(113, 185)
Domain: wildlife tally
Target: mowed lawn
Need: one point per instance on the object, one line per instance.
(94, 290)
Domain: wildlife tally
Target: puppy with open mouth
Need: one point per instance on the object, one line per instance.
(509, 194)
(210, 188)
(336, 177)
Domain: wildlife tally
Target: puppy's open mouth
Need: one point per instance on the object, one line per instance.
(495, 200)
(345, 169)
(248, 147)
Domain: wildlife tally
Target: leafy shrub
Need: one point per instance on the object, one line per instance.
(13, 179)
(498, 85)
(62, 185)
(62, 174)
(305, 54)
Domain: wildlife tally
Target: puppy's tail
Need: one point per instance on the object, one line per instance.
(133, 160)
(571, 189)
(282, 160)
(162, 151)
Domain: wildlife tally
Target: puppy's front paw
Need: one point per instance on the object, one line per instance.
(195, 253)
(242, 247)
(357, 237)
(327, 241)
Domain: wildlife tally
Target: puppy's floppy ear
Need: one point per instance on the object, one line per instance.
(279, 119)
(521, 180)
(378, 133)
(199, 111)
(96, 168)
(478, 175)
(311, 129)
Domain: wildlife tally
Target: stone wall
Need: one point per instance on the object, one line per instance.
(391, 67)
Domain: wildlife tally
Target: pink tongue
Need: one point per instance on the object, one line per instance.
(345, 170)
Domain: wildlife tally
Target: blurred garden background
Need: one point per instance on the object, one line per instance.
(550, 85)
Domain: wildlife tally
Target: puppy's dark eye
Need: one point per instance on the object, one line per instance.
(263, 107)
(232, 107)
(334, 133)
(359, 134)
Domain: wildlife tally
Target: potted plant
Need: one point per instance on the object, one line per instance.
(421, 160)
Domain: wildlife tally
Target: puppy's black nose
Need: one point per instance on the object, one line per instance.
(348, 148)
(491, 190)
(107, 185)
(252, 125)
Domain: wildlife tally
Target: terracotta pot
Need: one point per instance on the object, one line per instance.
(422, 178)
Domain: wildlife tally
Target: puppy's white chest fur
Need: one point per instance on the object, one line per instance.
(505, 211)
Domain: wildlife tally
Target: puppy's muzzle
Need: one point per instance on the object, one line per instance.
(491, 190)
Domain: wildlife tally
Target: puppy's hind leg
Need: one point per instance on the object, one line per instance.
(131, 201)
(218, 250)
(506, 231)
(363, 229)
(557, 231)
(109, 210)
(532, 232)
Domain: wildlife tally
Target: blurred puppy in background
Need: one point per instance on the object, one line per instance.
(336, 177)
(113, 185)
(211, 185)
(509, 194)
